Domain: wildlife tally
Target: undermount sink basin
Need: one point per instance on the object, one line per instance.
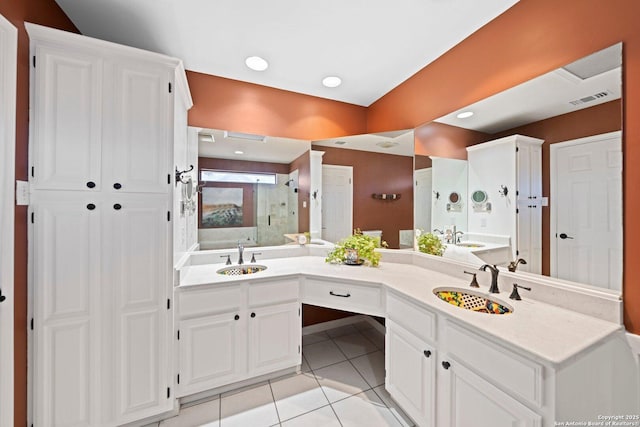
(471, 300)
(470, 245)
(237, 270)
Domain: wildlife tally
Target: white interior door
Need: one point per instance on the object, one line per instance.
(337, 202)
(586, 199)
(8, 49)
(422, 201)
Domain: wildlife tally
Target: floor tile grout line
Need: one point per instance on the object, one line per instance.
(323, 392)
(397, 417)
(274, 402)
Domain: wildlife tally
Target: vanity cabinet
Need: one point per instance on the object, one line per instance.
(411, 373)
(344, 295)
(211, 350)
(458, 368)
(274, 338)
(100, 229)
(229, 333)
(466, 399)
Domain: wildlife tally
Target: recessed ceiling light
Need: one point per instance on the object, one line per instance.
(387, 144)
(256, 63)
(332, 81)
(238, 152)
(465, 114)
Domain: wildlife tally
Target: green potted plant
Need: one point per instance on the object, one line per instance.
(430, 244)
(357, 249)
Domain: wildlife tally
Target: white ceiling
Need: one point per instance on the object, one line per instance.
(373, 45)
(272, 150)
(399, 143)
(548, 95)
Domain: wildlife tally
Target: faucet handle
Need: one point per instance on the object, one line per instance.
(253, 256)
(474, 281)
(228, 259)
(514, 294)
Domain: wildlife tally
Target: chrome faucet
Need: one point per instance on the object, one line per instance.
(240, 251)
(457, 236)
(494, 277)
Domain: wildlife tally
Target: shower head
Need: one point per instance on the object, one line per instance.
(288, 183)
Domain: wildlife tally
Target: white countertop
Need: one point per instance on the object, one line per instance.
(545, 332)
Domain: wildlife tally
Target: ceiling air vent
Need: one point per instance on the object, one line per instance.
(589, 98)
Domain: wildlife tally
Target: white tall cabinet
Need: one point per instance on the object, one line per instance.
(100, 250)
(509, 170)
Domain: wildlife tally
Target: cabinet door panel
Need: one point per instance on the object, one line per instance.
(410, 373)
(66, 139)
(139, 265)
(138, 129)
(212, 352)
(274, 338)
(66, 283)
(471, 400)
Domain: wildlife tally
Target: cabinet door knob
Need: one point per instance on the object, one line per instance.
(427, 353)
(236, 317)
(91, 206)
(117, 186)
(253, 315)
(2, 297)
(446, 365)
(91, 184)
(117, 206)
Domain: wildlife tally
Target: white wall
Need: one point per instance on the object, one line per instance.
(315, 208)
(185, 223)
(448, 175)
(491, 165)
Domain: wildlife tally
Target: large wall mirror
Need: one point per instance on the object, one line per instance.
(253, 189)
(367, 185)
(576, 111)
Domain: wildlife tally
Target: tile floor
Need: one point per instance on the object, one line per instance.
(341, 384)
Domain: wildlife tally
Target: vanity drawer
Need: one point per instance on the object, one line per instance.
(502, 367)
(273, 291)
(205, 301)
(412, 317)
(365, 299)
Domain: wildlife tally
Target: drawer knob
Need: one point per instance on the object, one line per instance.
(446, 365)
(236, 317)
(253, 315)
(117, 186)
(91, 206)
(117, 206)
(91, 184)
(427, 353)
(347, 295)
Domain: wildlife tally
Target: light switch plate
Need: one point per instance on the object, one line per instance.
(22, 193)
(544, 201)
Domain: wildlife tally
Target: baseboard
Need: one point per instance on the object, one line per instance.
(331, 324)
(204, 396)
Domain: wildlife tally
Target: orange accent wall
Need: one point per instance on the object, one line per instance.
(529, 39)
(239, 106)
(377, 173)
(44, 12)
(441, 140)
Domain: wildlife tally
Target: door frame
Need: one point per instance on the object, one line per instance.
(349, 215)
(8, 70)
(553, 153)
